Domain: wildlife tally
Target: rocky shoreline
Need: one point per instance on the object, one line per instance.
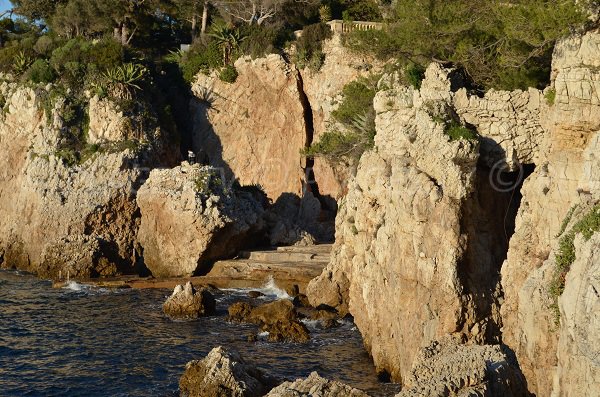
(469, 265)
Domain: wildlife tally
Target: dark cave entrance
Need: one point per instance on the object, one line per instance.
(488, 220)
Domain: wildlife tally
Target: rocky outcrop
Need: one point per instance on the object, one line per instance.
(399, 244)
(254, 129)
(107, 123)
(187, 303)
(314, 385)
(278, 318)
(566, 175)
(190, 218)
(50, 207)
(224, 373)
(423, 234)
(448, 368)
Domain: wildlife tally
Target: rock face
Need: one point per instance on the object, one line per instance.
(566, 175)
(60, 219)
(399, 244)
(107, 124)
(314, 385)
(190, 218)
(224, 373)
(424, 238)
(578, 353)
(187, 303)
(509, 123)
(254, 129)
(448, 368)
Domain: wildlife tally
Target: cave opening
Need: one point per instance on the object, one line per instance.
(488, 220)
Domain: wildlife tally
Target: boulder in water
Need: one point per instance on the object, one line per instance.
(278, 318)
(187, 303)
(224, 373)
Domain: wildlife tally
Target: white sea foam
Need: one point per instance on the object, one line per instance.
(311, 324)
(262, 335)
(270, 290)
(75, 286)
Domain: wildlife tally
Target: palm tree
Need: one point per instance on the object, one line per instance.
(229, 39)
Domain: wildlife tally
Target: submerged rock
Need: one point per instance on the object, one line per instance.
(224, 373)
(187, 303)
(315, 386)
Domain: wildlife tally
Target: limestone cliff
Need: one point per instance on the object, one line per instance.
(60, 219)
(440, 237)
(567, 174)
(255, 128)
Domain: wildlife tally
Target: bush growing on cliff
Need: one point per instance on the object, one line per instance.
(357, 98)
(309, 47)
(587, 226)
(457, 131)
(40, 72)
(356, 117)
(202, 57)
(228, 74)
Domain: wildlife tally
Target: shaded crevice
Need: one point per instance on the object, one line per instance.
(488, 221)
(310, 183)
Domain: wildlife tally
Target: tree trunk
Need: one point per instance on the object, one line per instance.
(124, 34)
(194, 27)
(204, 17)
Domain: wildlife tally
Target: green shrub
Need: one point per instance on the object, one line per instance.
(40, 72)
(338, 146)
(415, 74)
(201, 58)
(550, 96)
(44, 46)
(357, 98)
(105, 54)
(228, 74)
(565, 256)
(356, 115)
(71, 57)
(309, 47)
(379, 43)
(361, 10)
(456, 131)
(259, 40)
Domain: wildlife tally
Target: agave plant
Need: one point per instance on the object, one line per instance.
(175, 56)
(123, 80)
(21, 63)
